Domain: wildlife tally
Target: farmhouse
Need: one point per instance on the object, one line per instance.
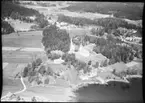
(93, 57)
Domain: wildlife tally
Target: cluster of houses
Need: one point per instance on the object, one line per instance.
(86, 54)
(133, 39)
(128, 35)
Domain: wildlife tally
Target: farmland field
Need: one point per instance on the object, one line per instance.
(51, 92)
(32, 39)
(10, 85)
(121, 10)
(61, 79)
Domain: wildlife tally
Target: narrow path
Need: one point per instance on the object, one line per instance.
(23, 86)
(22, 49)
(17, 91)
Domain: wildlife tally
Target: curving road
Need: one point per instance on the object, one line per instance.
(18, 91)
(23, 86)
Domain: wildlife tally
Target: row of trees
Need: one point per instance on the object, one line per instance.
(53, 56)
(115, 53)
(108, 47)
(29, 70)
(75, 20)
(41, 21)
(108, 23)
(55, 39)
(98, 31)
(127, 32)
(33, 70)
(16, 15)
(9, 7)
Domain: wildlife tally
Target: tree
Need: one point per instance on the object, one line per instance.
(42, 70)
(38, 62)
(31, 78)
(98, 32)
(33, 65)
(116, 32)
(101, 41)
(46, 81)
(96, 49)
(90, 62)
(6, 28)
(69, 57)
(25, 72)
(96, 65)
(33, 99)
(56, 39)
(105, 63)
(49, 71)
(41, 21)
(111, 38)
(32, 73)
(81, 65)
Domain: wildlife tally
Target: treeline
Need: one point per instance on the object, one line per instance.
(75, 20)
(16, 15)
(116, 53)
(55, 39)
(6, 28)
(108, 23)
(15, 11)
(40, 19)
(9, 7)
(30, 69)
(36, 68)
(133, 11)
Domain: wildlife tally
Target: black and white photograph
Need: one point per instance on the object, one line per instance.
(71, 51)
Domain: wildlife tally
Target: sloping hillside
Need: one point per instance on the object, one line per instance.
(9, 7)
(121, 10)
(16, 11)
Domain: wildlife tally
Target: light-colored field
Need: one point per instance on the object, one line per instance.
(12, 69)
(78, 31)
(55, 93)
(56, 10)
(20, 56)
(13, 40)
(20, 25)
(16, 56)
(10, 85)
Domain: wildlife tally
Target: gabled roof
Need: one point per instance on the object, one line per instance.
(93, 57)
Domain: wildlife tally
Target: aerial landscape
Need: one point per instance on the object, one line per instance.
(71, 51)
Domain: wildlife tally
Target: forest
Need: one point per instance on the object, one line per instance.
(55, 39)
(108, 23)
(16, 11)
